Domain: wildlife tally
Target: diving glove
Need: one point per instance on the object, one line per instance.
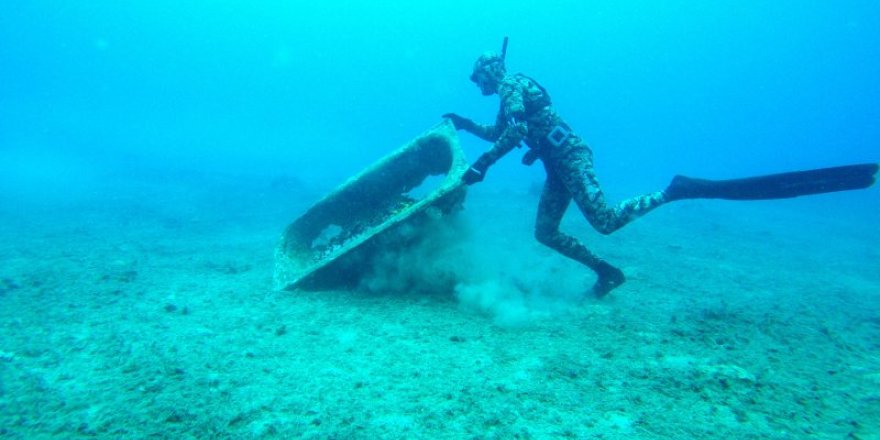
(477, 171)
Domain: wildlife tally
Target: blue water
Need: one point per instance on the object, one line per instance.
(152, 152)
(656, 88)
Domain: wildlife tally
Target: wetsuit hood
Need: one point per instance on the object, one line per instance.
(488, 71)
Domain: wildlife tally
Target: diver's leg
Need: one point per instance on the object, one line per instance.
(579, 178)
(554, 201)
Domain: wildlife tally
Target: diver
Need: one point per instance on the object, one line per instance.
(526, 115)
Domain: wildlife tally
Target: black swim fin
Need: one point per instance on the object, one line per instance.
(775, 186)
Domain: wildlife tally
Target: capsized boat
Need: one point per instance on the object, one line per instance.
(333, 243)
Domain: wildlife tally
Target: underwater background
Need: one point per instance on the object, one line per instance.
(152, 153)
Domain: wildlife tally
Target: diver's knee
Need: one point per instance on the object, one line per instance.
(604, 228)
(602, 220)
(545, 235)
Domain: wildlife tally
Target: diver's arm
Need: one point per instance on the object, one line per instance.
(488, 133)
(510, 138)
(511, 121)
(511, 129)
(512, 109)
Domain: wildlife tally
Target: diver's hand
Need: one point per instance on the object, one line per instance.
(477, 171)
(460, 122)
(472, 176)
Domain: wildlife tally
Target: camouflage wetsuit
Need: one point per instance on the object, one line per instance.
(526, 115)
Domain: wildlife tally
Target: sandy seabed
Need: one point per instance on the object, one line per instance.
(149, 313)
